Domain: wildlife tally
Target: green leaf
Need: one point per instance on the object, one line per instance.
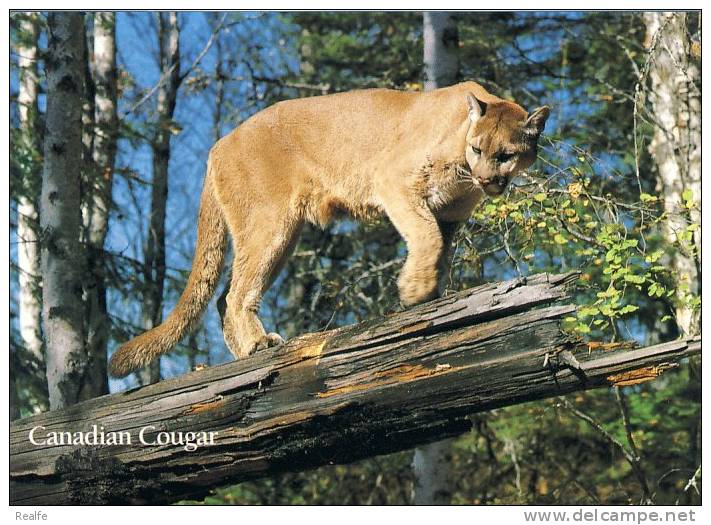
(587, 311)
(654, 256)
(619, 273)
(582, 328)
(560, 239)
(628, 309)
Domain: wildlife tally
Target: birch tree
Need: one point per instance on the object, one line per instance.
(432, 463)
(98, 198)
(441, 40)
(675, 98)
(60, 217)
(28, 252)
(154, 250)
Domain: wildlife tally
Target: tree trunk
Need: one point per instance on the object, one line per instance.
(60, 218)
(28, 247)
(332, 397)
(87, 116)
(98, 198)
(154, 251)
(431, 463)
(441, 45)
(676, 149)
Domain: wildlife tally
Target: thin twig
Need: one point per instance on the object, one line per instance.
(624, 412)
(691, 484)
(612, 440)
(169, 71)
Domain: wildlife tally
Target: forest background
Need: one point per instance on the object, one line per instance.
(105, 229)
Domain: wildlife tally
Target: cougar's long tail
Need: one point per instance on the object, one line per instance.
(207, 266)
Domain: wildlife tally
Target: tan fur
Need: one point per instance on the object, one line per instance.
(411, 156)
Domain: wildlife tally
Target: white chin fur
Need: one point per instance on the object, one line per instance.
(477, 184)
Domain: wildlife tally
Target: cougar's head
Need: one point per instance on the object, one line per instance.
(502, 140)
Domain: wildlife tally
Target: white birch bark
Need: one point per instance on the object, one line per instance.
(60, 217)
(674, 94)
(28, 252)
(97, 201)
(441, 43)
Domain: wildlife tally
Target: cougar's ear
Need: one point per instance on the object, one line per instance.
(537, 121)
(477, 108)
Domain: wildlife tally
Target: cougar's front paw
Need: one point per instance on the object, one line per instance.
(269, 340)
(418, 287)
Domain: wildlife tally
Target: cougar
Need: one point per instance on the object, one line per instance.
(425, 160)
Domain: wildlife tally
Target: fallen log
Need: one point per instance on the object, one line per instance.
(332, 397)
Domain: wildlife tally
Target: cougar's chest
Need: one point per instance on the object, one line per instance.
(449, 190)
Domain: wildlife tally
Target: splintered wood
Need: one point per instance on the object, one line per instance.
(641, 375)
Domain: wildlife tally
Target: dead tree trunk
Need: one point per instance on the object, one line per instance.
(332, 397)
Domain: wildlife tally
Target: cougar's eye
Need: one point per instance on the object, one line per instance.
(476, 151)
(504, 157)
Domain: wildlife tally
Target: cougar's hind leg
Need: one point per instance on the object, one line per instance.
(258, 257)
